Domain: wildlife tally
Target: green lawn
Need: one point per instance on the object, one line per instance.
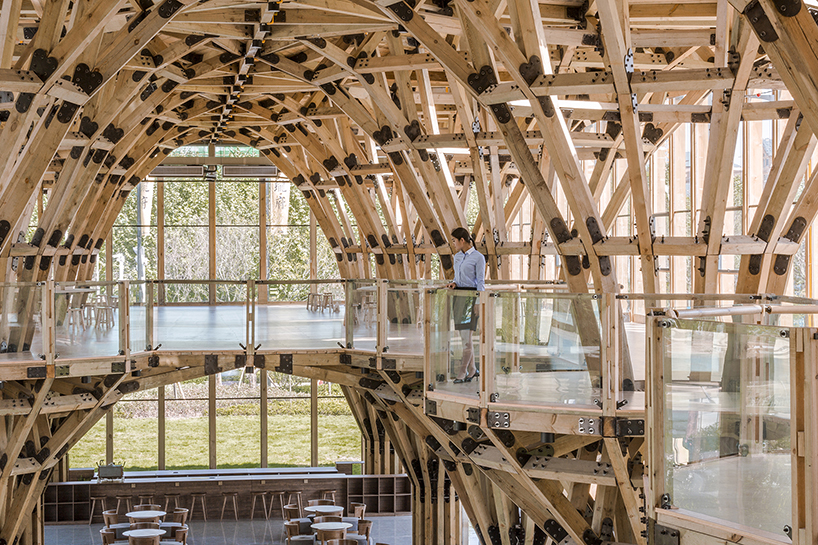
(135, 442)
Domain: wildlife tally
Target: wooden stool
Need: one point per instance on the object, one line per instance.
(127, 499)
(94, 500)
(328, 495)
(145, 498)
(264, 501)
(326, 301)
(298, 500)
(226, 496)
(203, 497)
(75, 318)
(280, 496)
(175, 498)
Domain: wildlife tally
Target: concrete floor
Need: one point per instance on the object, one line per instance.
(391, 530)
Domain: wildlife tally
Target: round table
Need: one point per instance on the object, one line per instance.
(331, 525)
(145, 532)
(325, 509)
(146, 516)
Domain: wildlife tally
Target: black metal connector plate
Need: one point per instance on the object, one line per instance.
(630, 427)
(663, 535)
(211, 364)
(285, 364)
(496, 419)
(555, 530)
(36, 372)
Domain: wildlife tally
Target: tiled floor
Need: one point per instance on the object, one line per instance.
(385, 529)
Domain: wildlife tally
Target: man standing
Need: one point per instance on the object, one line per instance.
(469, 274)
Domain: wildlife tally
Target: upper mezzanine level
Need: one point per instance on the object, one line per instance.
(712, 392)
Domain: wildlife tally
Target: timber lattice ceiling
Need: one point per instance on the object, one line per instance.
(397, 108)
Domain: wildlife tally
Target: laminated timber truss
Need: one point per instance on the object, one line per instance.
(389, 112)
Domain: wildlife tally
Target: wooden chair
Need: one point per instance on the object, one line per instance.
(365, 528)
(108, 536)
(170, 529)
(175, 538)
(143, 540)
(144, 526)
(312, 503)
(291, 512)
(181, 536)
(293, 535)
(328, 495)
(179, 515)
(143, 507)
(328, 518)
(358, 510)
(345, 541)
(110, 517)
(325, 535)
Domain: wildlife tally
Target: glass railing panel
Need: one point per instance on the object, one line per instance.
(138, 294)
(21, 320)
(633, 309)
(362, 318)
(727, 421)
(300, 315)
(404, 314)
(87, 319)
(201, 315)
(547, 349)
(455, 329)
